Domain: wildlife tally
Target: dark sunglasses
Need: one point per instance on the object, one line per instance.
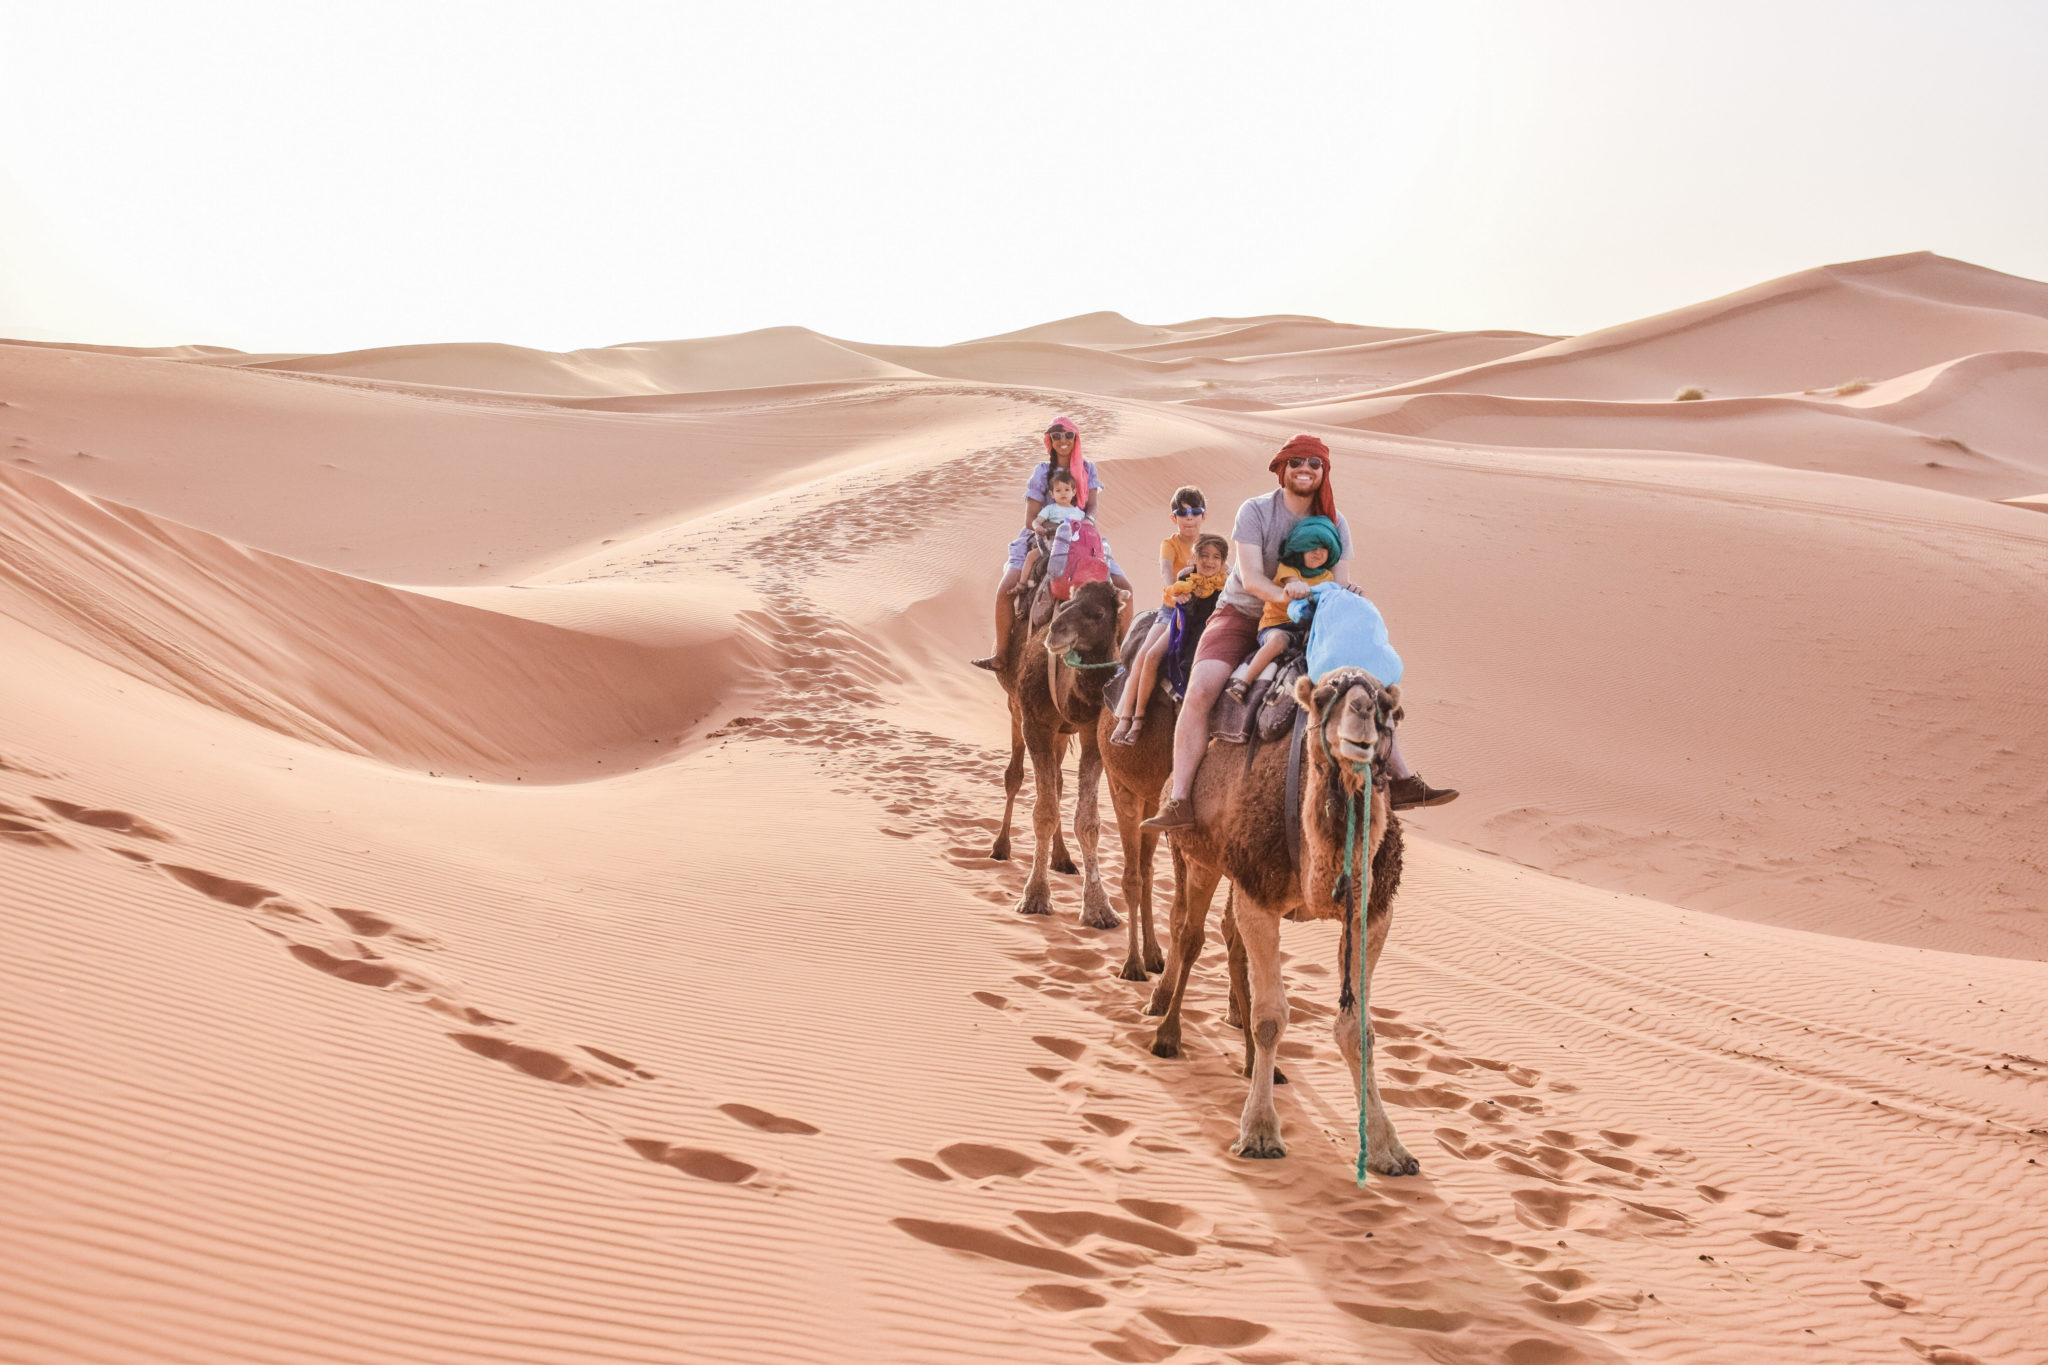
(1058, 432)
(1190, 511)
(1304, 462)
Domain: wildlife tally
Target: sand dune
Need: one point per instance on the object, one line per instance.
(1819, 328)
(492, 852)
(778, 355)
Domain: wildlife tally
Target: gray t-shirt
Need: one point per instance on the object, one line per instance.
(1265, 522)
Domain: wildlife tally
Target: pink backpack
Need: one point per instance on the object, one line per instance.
(1087, 561)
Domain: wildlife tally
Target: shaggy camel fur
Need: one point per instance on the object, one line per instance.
(1137, 778)
(1240, 832)
(1059, 679)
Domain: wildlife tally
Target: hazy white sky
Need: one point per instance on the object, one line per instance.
(291, 175)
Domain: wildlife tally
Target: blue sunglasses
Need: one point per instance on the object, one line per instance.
(1190, 511)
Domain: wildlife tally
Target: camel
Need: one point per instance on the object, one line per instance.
(1013, 776)
(1241, 832)
(1137, 776)
(1054, 677)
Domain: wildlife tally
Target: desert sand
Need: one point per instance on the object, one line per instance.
(492, 852)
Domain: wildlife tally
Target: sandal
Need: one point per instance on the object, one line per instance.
(1127, 731)
(1239, 689)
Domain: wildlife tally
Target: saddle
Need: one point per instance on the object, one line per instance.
(1268, 709)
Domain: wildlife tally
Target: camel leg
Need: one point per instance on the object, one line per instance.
(1172, 977)
(1045, 822)
(1145, 954)
(1013, 778)
(1096, 911)
(1239, 1008)
(1190, 920)
(1258, 1130)
(1387, 1155)
(1062, 861)
(1137, 848)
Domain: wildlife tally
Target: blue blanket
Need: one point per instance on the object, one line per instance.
(1346, 631)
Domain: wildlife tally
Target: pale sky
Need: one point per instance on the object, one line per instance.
(300, 176)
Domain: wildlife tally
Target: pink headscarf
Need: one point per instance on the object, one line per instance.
(1075, 465)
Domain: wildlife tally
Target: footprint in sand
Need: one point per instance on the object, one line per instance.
(227, 890)
(19, 827)
(1935, 1354)
(766, 1122)
(980, 1161)
(1787, 1240)
(117, 821)
(922, 1169)
(998, 1246)
(613, 1059)
(538, 1062)
(697, 1161)
(1062, 1298)
(1061, 1047)
(1157, 1211)
(1899, 1299)
(1406, 1316)
(1196, 1329)
(369, 925)
(1070, 1226)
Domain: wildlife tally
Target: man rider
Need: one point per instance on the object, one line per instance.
(1303, 468)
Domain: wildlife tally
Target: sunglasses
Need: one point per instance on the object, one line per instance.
(1304, 462)
(1190, 511)
(1060, 434)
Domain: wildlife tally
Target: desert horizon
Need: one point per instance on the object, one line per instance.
(495, 848)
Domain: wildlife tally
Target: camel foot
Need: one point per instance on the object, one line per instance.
(1279, 1076)
(1232, 1018)
(1259, 1139)
(1398, 1160)
(1000, 850)
(1036, 900)
(1133, 970)
(1096, 912)
(1155, 961)
(1166, 1042)
(1062, 863)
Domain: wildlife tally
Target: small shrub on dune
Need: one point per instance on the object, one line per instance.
(1953, 443)
(1691, 393)
(1853, 386)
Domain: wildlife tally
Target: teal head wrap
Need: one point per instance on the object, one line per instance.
(1312, 533)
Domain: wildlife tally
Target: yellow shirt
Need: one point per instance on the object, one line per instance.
(1181, 555)
(1276, 612)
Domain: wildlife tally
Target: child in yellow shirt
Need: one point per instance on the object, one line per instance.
(1308, 556)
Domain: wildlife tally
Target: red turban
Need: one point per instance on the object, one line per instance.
(1323, 502)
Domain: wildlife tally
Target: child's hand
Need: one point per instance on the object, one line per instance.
(1296, 589)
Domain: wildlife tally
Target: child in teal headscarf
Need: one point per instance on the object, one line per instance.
(1309, 555)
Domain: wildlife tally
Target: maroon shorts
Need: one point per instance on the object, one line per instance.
(1229, 638)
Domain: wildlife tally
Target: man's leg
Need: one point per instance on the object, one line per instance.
(1191, 741)
(1408, 791)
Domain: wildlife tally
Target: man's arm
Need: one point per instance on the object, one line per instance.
(1251, 572)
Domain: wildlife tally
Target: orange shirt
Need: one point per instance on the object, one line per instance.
(1182, 557)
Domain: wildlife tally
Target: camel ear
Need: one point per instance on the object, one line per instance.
(1390, 703)
(1304, 693)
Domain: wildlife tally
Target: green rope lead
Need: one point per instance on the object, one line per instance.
(1351, 823)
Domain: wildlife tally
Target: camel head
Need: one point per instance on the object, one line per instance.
(1083, 630)
(1353, 714)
